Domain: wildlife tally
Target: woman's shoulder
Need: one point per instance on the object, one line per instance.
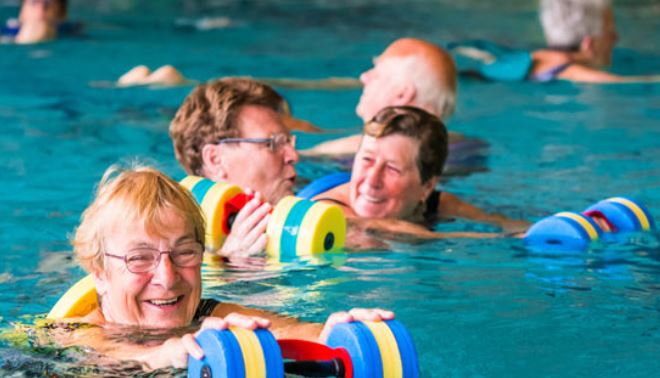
(547, 60)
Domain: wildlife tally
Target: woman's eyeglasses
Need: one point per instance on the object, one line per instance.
(142, 260)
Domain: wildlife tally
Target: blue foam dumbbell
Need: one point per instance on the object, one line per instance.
(563, 231)
(237, 353)
(622, 214)
(357, 349)
(377, 349)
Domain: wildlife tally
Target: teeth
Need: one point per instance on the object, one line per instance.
(163, 302)
(371, 199)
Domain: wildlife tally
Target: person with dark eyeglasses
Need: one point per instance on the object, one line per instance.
(236, 130)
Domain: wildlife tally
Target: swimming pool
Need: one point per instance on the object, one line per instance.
(474, 307)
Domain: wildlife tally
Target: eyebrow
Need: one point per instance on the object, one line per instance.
(185, 239)
(140, 244)
(143, 244)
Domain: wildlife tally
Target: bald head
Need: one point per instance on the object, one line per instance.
(410, 72)
(438, 60)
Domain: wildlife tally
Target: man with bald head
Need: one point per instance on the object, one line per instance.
(409, 72)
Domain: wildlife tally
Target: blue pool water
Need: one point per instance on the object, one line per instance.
(474, 307)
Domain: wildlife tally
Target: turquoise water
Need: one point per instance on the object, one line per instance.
(474, 307)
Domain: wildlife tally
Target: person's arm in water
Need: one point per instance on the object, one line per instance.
(329, 83)
(349, 145)
(336, 147)
(384, 226)
(401, 228)
(547, 60)
(584, 74)
(452, 206)
(115, 342)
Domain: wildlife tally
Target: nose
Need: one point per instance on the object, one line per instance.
(165, 274)
(365, 77)
(291, 156)
(375, 176)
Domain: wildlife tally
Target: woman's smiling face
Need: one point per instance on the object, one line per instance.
(165, 297)
(385, 181)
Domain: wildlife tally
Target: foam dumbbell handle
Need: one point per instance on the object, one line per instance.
(232, 207)
(312, 359)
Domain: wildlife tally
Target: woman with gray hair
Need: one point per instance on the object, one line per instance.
(580, 35)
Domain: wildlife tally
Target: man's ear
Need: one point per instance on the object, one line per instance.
(406, 94)
(212, 162)
(587, 46)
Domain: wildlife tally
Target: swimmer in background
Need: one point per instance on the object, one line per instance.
(38, 20)
(394, 177)
(142, 240)
(580, 35)
(409, 72)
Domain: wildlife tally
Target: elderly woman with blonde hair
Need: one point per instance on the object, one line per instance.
(142, 242)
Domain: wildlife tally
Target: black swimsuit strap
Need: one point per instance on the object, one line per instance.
(204, 309)
(431, 211)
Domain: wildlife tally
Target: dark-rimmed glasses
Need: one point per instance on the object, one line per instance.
(274, 143)
(143, 260)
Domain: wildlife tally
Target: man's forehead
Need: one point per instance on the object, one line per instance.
(257, 120)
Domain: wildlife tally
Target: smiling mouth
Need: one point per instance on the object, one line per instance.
(371, 199)
(165, 302)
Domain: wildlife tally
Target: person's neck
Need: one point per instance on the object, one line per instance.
(573, 55)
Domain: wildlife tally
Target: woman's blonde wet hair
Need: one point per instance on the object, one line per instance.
(139, 193)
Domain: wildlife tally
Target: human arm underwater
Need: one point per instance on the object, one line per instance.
(153, 352)
(349, 145)
(329, 83)
(584, 74)
(451, 206)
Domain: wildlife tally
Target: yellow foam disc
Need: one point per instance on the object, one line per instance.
(213, 208)
(389, 349)
(639, 213)
(78, 301)
(253, 354)
(320, 220)
(276, 224)
(211, 259)
(591, 231)
(189, 182)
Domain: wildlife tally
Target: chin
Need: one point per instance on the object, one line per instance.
(369, 211)
(169, 322)
(361, 113)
